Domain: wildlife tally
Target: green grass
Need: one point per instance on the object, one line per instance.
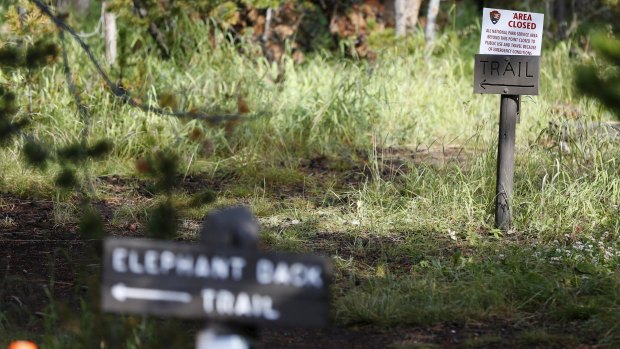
(412, 244)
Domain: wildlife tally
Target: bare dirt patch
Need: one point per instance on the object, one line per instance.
(37, 255)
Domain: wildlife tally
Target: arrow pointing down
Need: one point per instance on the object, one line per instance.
(120, 292)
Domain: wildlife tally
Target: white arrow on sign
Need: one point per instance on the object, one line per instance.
(121, 292)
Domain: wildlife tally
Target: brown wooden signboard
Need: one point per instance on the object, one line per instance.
(507, 75)
(189, 281)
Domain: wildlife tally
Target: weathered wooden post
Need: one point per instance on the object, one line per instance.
(509, 65)
(223, 279)
(505, 159)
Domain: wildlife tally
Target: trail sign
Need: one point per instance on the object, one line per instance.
(508, 64)
(509, 75)
(189, 281)
(506, 32)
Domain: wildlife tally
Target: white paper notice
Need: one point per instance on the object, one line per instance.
(506, 32)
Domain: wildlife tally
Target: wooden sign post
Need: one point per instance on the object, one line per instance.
(224, 279)
(509, 65)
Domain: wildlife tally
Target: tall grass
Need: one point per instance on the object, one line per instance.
(408, 97)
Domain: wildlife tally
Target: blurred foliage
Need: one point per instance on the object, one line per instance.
(601, 80)
(300, 25)
(162, 167)
(36, 155)
(612, 3)
(26, 21)
(66, 179)
(163, 221)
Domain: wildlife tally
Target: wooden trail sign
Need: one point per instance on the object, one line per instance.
(230, 284)
(508, 75)
(509, 59)
(509, 65)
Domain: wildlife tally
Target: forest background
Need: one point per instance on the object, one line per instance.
(351, 130)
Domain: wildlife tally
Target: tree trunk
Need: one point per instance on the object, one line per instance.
(431, 21)
(406, 13)
(413, 12)
(560, 17)
(109, 33)
(548, 4)
(401, 18)
(267, 31)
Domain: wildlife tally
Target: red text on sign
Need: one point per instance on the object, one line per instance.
(522, 21)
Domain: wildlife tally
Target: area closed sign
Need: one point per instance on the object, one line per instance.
(506, 32)
(510, 47)
(188, 281)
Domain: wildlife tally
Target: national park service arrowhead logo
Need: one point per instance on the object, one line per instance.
(495, 16)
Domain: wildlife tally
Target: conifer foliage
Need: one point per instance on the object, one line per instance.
(31, 48)
(603, 81)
